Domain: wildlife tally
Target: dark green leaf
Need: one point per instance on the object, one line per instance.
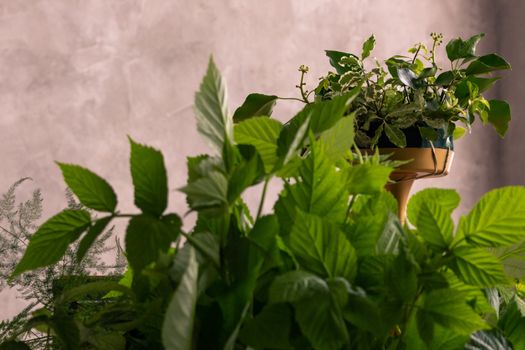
(149, 179)
(428, 133)
(321, 247)
(368, 46)
(458, 48)
(512, 323)
(50, 241)
(269, 329)
(362, 312)
(14, 345)
(91, 236)
(497, 219)
(255, 105)
(425, 326)
(66, 329)
(395, 135)
(262, 133)
(213, 120)
(294, 286)
(486, 64)
(92, 190)
(499, 116)
(477, 267)
(177, 328)
(449, 308)
(147, 237)
(335, 58)
(207, 244)
(428, 72)
(445, 78)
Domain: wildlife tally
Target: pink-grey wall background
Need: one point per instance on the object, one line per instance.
(77, 76)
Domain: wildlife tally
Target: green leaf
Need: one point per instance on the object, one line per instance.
(92, 190)
(477, 267)
(207, 192)
(395, 135)
(513, 259)
(14, 345)
(497, 219)
(149, 179)
(457, 48)
(91, 236)
(66, 329)
(367, 178)
(213, 120)
(339, 139)
(294, 286)
(147, 237)
(430, 211)
(321, 247)
(255, 105)
(50, 241)
(207, 244)
(269, 329)
(335, 58)
(458, 132)
(512, 323)
(428, 133)
(368, 46)
(499, 116)
(177, 328)
(445, 78)
(262, 133)
(448, 307)
(321, 191)
(486, 64)
(363, 312)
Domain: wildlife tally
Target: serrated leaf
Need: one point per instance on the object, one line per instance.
(147, 237)
(339, 139)
(497, 219)
(367, 178)
(321, 247)
(50, 241)
(368, 46)
(477, 267)
(149, 177)
(207, 192)
(91, 236)
(448, 307)
(213, 120)
(255, 105)
(177, 328)
(395, 135)
(434, 224)
(92, 191)
(447, 199)
(499, 116)
(262, 133)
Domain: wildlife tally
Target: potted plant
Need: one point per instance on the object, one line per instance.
(329, 267)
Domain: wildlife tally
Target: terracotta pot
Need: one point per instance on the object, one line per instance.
(424, 163)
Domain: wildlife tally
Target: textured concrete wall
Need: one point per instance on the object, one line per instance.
(77, 76)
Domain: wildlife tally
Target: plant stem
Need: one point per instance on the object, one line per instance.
(304, 95)
(291, 98)
(263, 196)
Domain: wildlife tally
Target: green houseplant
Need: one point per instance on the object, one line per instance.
(331, 267)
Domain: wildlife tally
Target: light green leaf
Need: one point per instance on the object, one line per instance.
(321, 247)
(497, 219)
(339, 139)
(435, 225)
(458, 132)
(448, 307)
(447, 199)
(177, 329)
(207, 192)
(368, 46)
(367, 178)
(499, 116)
(513, 259)
(50, 241)
(149, 179)
(255, 105)
(213, 120)
(92, 190)
(147, 237)
(395, 135)
(478, 267)
(262, 133)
